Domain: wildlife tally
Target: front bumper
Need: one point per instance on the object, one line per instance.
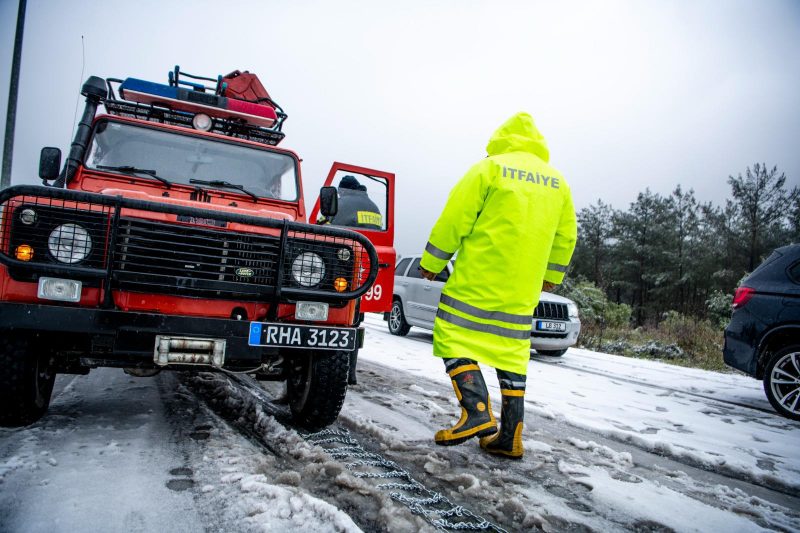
(92, 337)
(556, 341)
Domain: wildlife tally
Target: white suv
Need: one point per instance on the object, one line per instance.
(555, 321)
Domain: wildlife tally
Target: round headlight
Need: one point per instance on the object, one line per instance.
(69, 243)
(308, 269)
(202, 122)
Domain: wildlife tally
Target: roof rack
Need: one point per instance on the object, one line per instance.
(164, 113)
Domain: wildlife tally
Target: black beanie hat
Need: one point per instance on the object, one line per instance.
(349, 182)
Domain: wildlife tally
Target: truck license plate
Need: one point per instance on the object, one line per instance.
(543, 325)
(295, 336)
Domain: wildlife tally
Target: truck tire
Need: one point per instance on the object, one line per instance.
(782, 381)
(317, 386)
(26, 381)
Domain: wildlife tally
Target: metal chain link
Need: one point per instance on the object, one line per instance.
(433, 506)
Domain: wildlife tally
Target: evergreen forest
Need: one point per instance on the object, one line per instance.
(673, 262)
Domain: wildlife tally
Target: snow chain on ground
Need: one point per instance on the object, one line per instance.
(340, 445)
(433, 506)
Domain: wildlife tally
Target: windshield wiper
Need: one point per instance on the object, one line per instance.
(221, 183)
(127, 169)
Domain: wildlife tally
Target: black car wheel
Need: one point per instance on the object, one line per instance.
(317, 386)
(26, 381)
(782, 381)
(397, 320)
(552, 353)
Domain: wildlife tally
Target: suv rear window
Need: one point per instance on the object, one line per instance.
(401, 267)
(794, 272)
(763, 266)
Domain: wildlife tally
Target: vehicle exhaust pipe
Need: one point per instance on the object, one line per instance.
(95, 91)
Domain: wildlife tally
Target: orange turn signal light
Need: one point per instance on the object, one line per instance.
(340, 284)
(24, 252)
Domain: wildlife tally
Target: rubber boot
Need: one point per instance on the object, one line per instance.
(508, 441)
(477, 419)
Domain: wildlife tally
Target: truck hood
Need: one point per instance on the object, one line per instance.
(549, 297)
(141, 195)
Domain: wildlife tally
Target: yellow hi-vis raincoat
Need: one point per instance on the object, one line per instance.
(512, 222)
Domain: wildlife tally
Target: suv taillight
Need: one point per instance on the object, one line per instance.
(742, 296)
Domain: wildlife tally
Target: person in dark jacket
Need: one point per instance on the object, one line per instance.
(356, 209)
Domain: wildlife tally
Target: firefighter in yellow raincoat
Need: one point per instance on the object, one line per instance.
(512, 222)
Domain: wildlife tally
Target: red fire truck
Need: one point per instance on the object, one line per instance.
(175, 237)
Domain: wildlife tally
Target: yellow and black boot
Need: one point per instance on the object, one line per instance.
(508, 441)
(477, 419)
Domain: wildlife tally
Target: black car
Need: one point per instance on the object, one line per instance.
(763, 338)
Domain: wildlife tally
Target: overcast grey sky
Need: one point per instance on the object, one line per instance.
(628, 94)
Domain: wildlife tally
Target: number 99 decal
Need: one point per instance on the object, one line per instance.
(374, 293)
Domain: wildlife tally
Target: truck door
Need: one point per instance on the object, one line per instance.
(366, 205)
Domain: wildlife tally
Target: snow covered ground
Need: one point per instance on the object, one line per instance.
(718, 421)
(117, 453)
(612, 444)
(684, 448)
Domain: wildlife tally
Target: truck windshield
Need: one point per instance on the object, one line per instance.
(183, 158)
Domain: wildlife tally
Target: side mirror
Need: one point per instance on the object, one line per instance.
(328, 202)
(49, 163)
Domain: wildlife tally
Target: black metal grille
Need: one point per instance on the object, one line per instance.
(339, 257)
(552, 311)
(156, 256)
(57, 232)
(153, 256)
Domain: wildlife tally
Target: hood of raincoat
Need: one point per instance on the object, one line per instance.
(518, 134)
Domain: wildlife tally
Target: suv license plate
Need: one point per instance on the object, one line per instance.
(295, 336)
(543, 325)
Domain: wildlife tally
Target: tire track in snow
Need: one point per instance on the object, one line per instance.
(253, 411)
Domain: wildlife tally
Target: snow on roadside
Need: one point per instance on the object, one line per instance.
(646, 501)
(671, 421)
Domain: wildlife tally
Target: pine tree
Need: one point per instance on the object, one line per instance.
(761, 204)
(640, 252)
(592, 254)
(683, 227)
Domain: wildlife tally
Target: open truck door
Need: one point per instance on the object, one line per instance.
(366, 205)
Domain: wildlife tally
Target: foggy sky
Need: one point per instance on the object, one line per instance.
(628, 94)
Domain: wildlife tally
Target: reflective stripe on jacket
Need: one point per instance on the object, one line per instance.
(512, 222)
